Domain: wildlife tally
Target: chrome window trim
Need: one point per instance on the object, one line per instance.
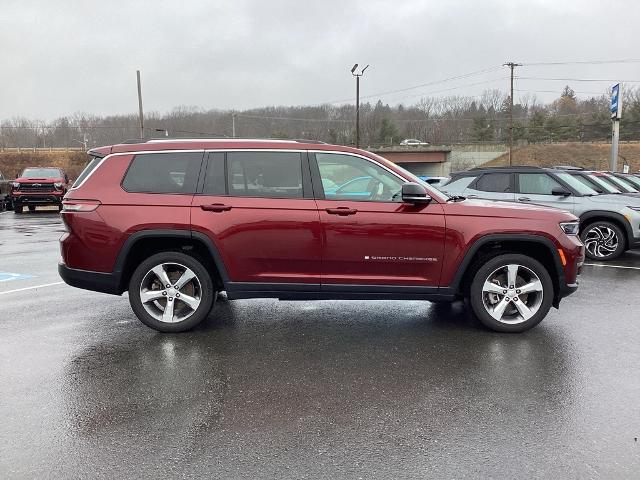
(438, 196)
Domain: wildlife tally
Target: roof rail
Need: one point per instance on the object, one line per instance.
(204, 139)
(508, 167)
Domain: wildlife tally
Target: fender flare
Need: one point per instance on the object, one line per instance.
(130, 242)
(511, 237)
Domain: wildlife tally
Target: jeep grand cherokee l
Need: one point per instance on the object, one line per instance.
(39, 186)
(174, 222)
(609, 224)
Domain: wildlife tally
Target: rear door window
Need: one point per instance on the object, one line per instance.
(264, 174)
(494, 182)
(168, 172)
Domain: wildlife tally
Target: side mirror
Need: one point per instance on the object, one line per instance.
(560, 192)
(414, 193)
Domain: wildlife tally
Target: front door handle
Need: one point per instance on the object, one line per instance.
(342, 211)
(216, 207)
(524, 199)
(472, 196)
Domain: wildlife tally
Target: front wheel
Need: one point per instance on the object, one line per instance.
(171, 292)
(603, 241)
(17, 209)
(511, 293)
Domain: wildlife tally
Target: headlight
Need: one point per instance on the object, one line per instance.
(15, 184)
(57, 185)
(570, 228)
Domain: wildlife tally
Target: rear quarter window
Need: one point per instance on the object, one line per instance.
(91, 166)
(163, 173)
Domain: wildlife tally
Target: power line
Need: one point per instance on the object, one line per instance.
(427, 84)
(585, 62)
(580, 79)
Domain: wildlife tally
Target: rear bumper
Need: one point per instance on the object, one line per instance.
(96, 281)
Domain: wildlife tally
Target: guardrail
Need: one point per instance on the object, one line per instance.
(40, 150)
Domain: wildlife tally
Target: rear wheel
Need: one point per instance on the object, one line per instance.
(603, 241)
(171, 292)
(511, 293)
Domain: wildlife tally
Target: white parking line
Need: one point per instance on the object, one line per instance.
(31, 288)
(611, 266)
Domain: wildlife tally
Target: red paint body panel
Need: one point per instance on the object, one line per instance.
(382, 243)
(263, 239)
(296, 240)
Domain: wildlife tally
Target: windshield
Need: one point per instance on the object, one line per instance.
(634, 180)
(41, 173)
(576, 184)
(624, 184)
(607, 187)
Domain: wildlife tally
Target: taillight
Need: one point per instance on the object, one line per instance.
(80, 205)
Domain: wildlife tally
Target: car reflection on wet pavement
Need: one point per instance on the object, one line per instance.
(311, 389)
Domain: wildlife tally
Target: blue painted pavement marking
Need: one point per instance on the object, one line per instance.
(7, 277)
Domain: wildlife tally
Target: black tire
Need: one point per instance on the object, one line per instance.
(206, 292)
(543, 302)
(599, 237)
(17, 209)
(32, 208)
(59, 208)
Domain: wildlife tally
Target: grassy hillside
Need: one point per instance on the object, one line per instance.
(12, 163)
(594, 156)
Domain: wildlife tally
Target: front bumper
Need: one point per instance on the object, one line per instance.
(37, 199)
(87, 280)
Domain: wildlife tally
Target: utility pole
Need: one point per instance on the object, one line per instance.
(140, 114)
(358, 75)
(233, 125)
(511, 65)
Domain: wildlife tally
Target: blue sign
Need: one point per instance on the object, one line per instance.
(615, 101)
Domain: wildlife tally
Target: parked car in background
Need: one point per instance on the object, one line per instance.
(259, 218)
(38, 187)
(599, 182)
(609, 224)
(632, 179)
(5, 192)
(434, 181)
(413, 142)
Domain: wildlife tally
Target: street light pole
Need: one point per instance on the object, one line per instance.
(358, 75)
(140, 114)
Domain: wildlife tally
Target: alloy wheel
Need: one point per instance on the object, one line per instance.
(170, 292)
(512, 294)
(601, 241)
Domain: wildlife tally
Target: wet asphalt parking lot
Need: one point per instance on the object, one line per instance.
(268, 389)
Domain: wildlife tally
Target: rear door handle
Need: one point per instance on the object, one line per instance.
(342, 211)
(216, 207)
(524, 199)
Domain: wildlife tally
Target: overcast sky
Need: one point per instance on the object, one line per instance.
(66, 56)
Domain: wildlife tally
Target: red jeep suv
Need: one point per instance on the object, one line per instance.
(39, 186)
(174, 222)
